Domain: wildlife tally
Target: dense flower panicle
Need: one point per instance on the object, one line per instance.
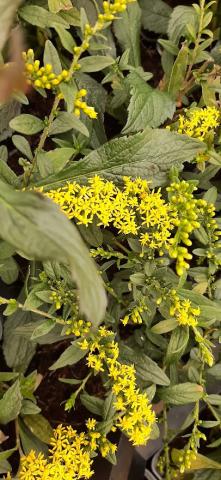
(130, 210)
(199, 122)
(163, 227)
(70, 458)
(134, 414)
(41, 76)
(135, 315)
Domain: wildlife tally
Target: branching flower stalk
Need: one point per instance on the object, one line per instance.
(49, 80)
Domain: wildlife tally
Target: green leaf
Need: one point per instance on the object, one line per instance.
(56, 5)
(29, 408)
(43, 329)
(40, 17)
(95, 405)
(68, 121)
(53, 161)
(7, 376)
(215, 371)
(9, 270)
(181, 17)
(51, 57)
(6, 454)
(177, 344)
(39, 426)
(148, 106)
(10, 404)
(22, 352)
(35, 226)
(155, 15)
(108, 407)
(95, 63)
(66, 39)
(146, 369)
(214, 399)
(164, 326)
(182, 393)
(178, 72)
(27, 124)
(7, 12)
(29, 441)
(70, 356)
(8, 111)
(127, 30)
(149, 154)
(22, 144)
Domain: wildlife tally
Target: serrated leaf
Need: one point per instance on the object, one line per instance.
(155, 15)
(35, 226)
(148, 106)
(182, 393)
(68, 121)
(94, 404)
(149, 154)
(51, 57)
(7, 12)
(95, 63)
(27, 124)
(53, 161)
(10, 404)
(127, 30)
(39, 426)
(70, 356)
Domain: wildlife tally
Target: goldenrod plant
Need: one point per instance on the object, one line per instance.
(110, 234)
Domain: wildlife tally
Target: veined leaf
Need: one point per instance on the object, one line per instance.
(70, 356)
(27, 124)
(149, 154)
(181, 16)
(148, 106)
(155, 15)
(40, 17)
(56, 5)
(182, 393)
(35, 226)
(53, 161)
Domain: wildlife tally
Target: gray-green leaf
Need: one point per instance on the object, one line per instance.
(35, 226)
(10, 404)
(148, 106)
(155, 15)
(27, 124)
(149, 154)
(127, 30)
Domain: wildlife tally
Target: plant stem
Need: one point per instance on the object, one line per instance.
(166, 446)
(17, 436)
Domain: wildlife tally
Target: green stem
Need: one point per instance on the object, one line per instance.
(166, 446)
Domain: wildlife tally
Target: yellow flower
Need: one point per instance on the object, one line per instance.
(199, 122)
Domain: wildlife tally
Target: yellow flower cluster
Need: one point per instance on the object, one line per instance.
(69, 459)
(199, 122)
(130, 209)
(183, 310)
(82, 106)
(135, 315)
(134, 414)
(188, 210)
(189, 453)
(111, 9)
(41, 77)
